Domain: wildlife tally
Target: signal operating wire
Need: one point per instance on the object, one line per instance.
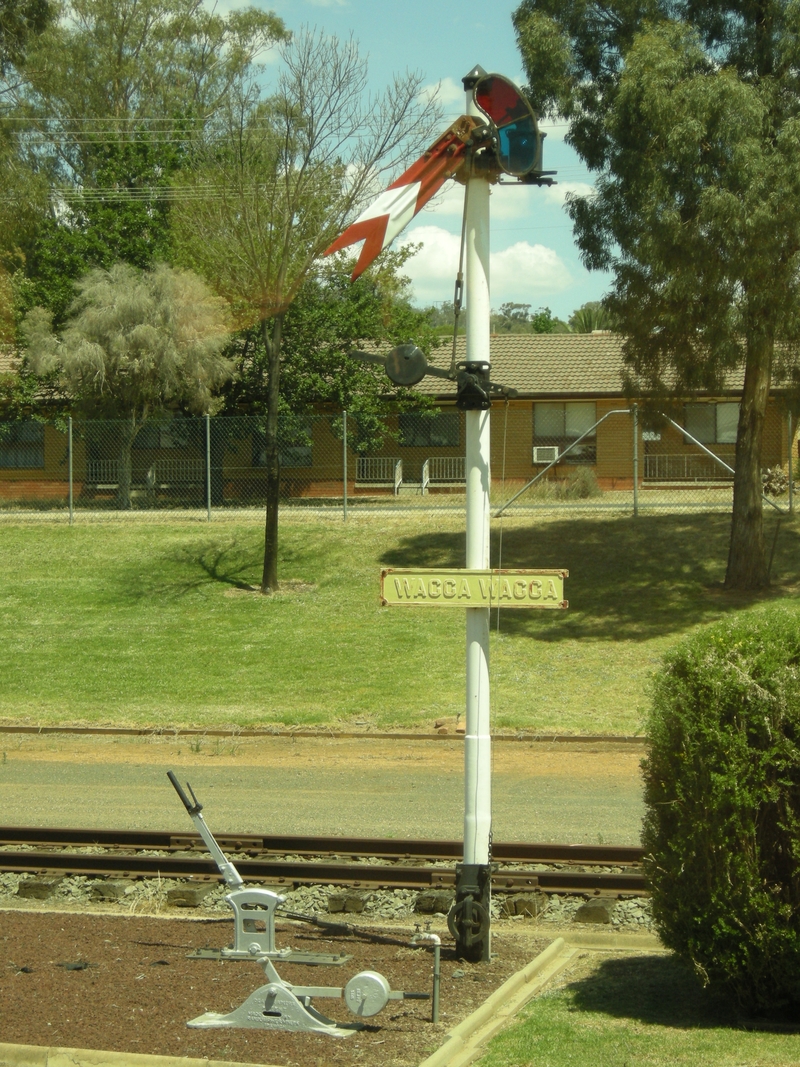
(503, 492)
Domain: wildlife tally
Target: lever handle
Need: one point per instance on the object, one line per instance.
(193, 808)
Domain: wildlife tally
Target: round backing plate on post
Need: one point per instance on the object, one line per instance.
(406, 365)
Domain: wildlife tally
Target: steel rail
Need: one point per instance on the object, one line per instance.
(287, 873)
(261, 858)
(319, 845)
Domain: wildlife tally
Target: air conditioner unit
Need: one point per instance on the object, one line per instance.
(545, 454)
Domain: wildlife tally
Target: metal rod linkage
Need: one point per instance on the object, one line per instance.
(344, 466)
(567, 450)
(715, 457)
(208, 468)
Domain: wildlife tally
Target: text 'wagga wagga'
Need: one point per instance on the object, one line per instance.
(473, 589)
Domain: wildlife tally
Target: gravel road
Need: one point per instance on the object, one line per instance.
(588, 793)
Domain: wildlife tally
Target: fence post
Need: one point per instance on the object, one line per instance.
(344, 465)
(69, 452)
(790, 422)
(635, 410)
(208, 468)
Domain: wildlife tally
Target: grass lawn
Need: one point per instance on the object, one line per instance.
(152, 623)
(637, 1011)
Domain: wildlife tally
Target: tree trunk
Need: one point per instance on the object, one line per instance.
(272, 341)
(747, 558)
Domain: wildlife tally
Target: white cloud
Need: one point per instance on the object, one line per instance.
(433, 269)
(555, 130)
(514, 201)
(523, 272)
(448, 92)
(328, 3)
(509, 201)
(448, 202)
(556, 194)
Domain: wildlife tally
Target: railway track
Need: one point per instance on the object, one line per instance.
(290, 860)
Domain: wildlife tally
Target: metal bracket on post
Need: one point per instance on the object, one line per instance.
(474, 387)
(469, 917)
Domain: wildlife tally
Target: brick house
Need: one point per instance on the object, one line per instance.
(567, 384)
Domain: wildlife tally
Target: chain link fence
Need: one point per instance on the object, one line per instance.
(545, 458)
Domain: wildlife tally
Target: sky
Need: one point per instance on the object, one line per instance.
(534, 259)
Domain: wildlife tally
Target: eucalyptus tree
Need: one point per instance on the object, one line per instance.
(22, 197)
(21, 21)
(275, 180)
(517, 318)
(135, 344)
(590, 317)
(689, 113)
(112, 92)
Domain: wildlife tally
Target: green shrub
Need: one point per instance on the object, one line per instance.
(581, 484)
(774, 481)
(722, 792)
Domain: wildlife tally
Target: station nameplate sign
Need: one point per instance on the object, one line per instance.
(473, 589)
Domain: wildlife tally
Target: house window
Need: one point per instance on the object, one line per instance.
(22, 445)
(438, 430)
(560, 424)
(712, 424)
(294, 444)
(155, 435)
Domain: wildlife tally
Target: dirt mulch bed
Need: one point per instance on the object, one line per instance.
(133, 989)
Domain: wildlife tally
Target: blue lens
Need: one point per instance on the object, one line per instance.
(518, 146)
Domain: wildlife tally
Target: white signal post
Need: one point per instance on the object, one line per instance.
(500, 135)
(477, 738)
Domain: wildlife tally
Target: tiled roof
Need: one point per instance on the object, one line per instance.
(536, 365)
(543, 364)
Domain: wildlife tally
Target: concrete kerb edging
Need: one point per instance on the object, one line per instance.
(38, 1056)
(466, 1040)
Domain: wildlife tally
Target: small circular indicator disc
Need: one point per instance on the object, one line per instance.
(367, 993)
(406, 365)
(511, 114)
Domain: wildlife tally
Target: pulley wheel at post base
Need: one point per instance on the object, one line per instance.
(468, 922)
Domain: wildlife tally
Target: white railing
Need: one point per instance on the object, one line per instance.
(166, 472)
(163, 473)
(380, 470)
(443, 470)
(102, 472)
(684, 468)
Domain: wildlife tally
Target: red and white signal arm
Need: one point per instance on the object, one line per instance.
(512, 132)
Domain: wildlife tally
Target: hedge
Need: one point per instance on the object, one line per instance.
(722, 792)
